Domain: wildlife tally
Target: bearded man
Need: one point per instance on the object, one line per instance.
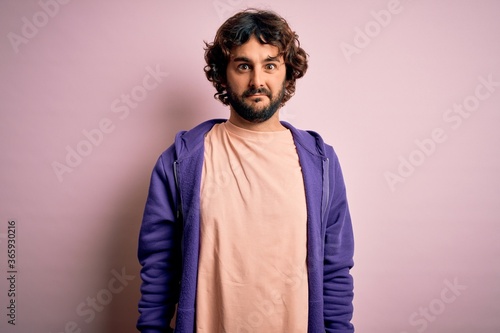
(246, 226)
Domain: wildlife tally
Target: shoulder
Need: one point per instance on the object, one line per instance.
(188, 141)
(312, 142)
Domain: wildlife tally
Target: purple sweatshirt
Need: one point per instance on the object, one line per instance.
(170, 235)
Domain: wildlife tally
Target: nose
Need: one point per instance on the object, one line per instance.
(256, 79)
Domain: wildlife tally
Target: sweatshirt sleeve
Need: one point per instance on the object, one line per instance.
(338, 256)
(159, 250)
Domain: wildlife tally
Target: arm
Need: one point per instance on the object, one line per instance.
(159, 250)
(338, 257)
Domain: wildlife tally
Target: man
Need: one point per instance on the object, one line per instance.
(246, 226)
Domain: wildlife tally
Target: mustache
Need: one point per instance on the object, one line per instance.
(251, 92)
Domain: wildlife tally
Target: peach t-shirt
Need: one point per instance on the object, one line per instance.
(252, 274)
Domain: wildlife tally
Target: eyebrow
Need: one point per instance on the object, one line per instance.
(245, 59)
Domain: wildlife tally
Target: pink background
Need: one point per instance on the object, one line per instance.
(435, 226)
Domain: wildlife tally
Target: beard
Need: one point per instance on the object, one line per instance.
(251, 112)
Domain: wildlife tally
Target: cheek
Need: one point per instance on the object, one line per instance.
(230, 79)
(279, 84)
(281, 79)
(237, 84)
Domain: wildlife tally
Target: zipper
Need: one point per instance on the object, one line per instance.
(326, 189)
(178, 190)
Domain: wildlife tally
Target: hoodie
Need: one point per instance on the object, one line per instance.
(170, 235)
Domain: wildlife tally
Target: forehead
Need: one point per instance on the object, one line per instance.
(254, 50)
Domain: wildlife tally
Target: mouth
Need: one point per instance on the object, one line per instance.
(257, 93)
(257, 97)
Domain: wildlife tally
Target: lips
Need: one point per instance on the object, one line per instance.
(252, 96)
(257, 93)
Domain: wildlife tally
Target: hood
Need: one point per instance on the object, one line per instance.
(187, 142)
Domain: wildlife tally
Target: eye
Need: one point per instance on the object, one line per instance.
(271, 66)
(243, 67)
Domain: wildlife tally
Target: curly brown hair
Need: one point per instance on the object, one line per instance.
(268, 28)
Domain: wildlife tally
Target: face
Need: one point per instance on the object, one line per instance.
(255, 81)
